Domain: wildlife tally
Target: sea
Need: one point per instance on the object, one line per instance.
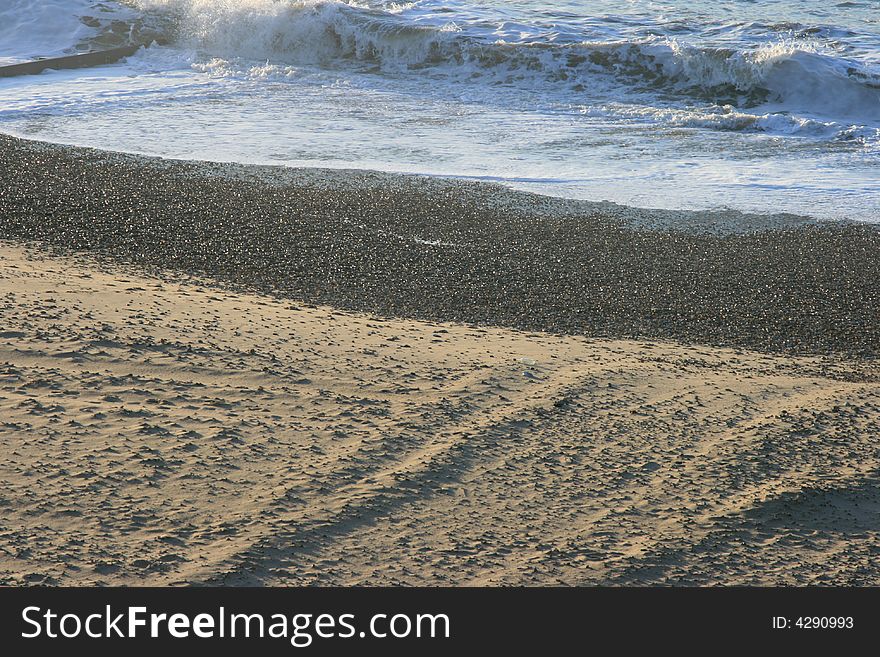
(763, 106)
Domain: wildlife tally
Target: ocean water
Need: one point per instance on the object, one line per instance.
(758, 105)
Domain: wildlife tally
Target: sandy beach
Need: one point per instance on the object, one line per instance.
(227, 375)
(166, 431)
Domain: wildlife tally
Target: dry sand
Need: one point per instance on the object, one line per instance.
(163, 431)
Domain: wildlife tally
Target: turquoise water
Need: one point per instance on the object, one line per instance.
(761, 106)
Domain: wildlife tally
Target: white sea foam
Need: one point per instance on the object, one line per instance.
(794, 76)
(38, 29)
(624, 99)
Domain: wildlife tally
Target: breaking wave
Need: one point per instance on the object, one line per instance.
(379, 37)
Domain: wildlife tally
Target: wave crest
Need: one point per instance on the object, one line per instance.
(379, 36)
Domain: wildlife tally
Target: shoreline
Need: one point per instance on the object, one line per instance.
(446, 250)
(497, 194)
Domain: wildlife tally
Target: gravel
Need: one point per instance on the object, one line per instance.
(450, 250)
